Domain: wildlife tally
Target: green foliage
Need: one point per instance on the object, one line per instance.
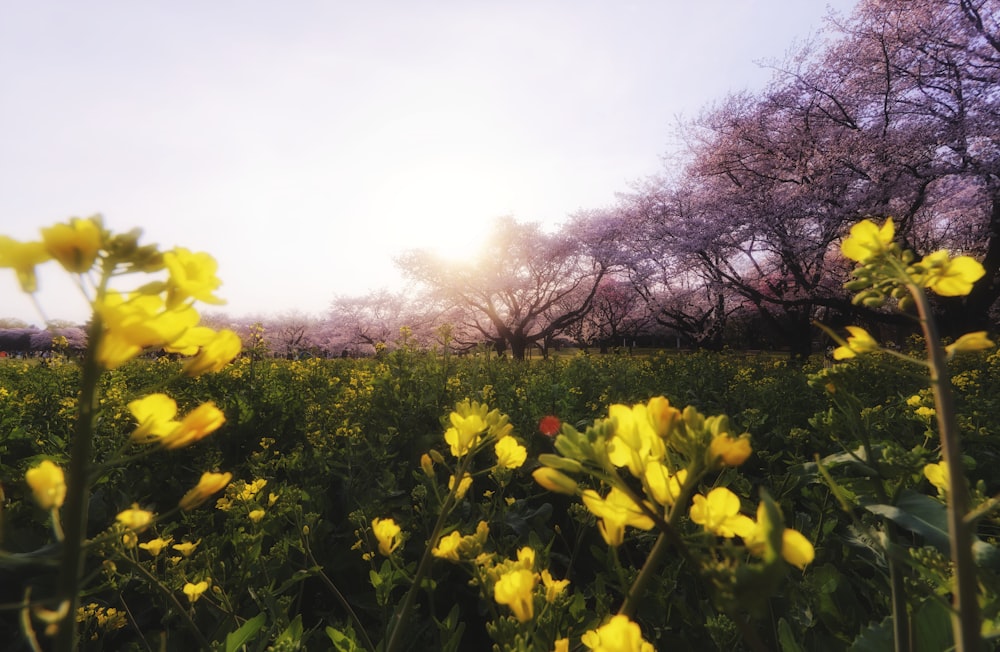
(339, 443)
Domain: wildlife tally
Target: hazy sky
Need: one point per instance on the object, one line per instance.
(305, 144)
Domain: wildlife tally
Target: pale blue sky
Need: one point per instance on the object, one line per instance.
(304, 144)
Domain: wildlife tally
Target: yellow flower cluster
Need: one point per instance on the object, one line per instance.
(48, 484)
(98, 619)
(719, 513)
(619, 634)
(388, 534)
(515, 582)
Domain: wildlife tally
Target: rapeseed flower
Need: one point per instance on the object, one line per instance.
(74, 245)
(196, 425)
(155, 414)
(860, 341)
(447, 547)
(214, 354)
(719, 513)
(134, 518)
(155, 546)
(516, 590)
(553, 587)
(938, 475)
(194, 591)
(510, 454)
(48, 484)
(555, 481)
(464, 432)
(950, 277)
(728, 450)
(209, 484)
(192, 276)
(388, 534)
(867, 240)
(617, 635)
(22, 257)
(187, 548)
(615, 511)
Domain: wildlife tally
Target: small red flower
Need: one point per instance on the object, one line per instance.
(549, 426)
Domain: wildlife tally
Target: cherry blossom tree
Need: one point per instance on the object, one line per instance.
(518, 287)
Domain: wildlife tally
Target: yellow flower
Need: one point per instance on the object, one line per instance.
(556, 481)
(194, 591)
(427, 465)
(139, 322)
(868, 240)
(635, 441)
(730, 451)
(134, 518)
(156, 546)
(526, 558)
(192, 275)
(22, 258)
(951, 277)
(925, 412)
(186, 548)
(464, 432)
(938, 475)
(129, 539)
(663, 487)
(256, 515)
(719, 513)
(463, 486)
(447, 547)
(48, 484)
(915, 400)
(969, 343)
(562, 645)
(196, 425)
(155, 414)
(617, 635)
(796, 549)
(74, 245)
(615, 511)
(388, 535)
(860, 341)
(215, 353)
(510, 454)
(207, 485)
(516, 590)
(553, 587)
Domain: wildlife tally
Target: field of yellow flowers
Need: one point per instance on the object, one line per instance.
(221, 499)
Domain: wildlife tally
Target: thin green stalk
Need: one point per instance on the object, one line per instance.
(668, 537)
(337, 594)
(398, 623)
(965, 616)
(78, 492)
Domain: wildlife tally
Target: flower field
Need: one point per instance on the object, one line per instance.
(318, 449)
(174, 489)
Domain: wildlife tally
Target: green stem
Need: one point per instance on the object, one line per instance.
(965, 616)
(337, 594)
(668, 537)
(398, 623)
(78, 491)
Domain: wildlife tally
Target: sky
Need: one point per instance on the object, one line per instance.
(307, 144)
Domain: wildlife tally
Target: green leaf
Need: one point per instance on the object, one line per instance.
(875, 638)
(292, 633)
(341, 641)
(237, 639)
(928, 517)
(786, 638)
(932, 624)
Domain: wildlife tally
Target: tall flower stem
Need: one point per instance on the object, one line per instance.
(668, 537)
(398, 622)
(78, 492)
(965, 617)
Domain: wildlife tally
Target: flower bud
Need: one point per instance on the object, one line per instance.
(555, 481)
(560, 463)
